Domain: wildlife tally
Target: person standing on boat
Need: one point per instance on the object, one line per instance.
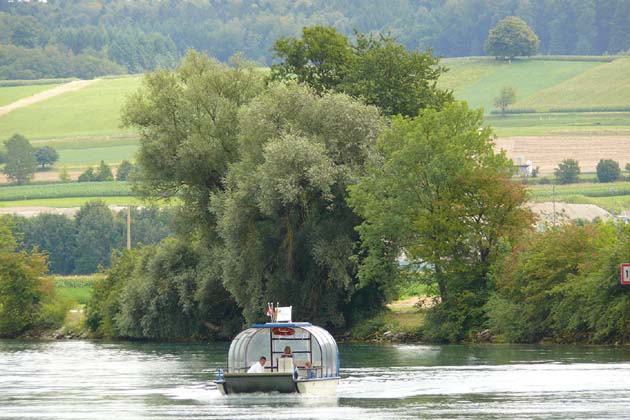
(259, 366)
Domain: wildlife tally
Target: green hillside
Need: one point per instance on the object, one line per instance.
(91, 111)
(605, 86)
(479, 80)
(9, 94)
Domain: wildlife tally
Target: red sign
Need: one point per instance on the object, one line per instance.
(625, 273)
(291, 331)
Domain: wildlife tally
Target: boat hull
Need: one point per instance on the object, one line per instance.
(243, 383)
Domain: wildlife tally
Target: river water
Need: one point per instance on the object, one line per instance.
(100, 380)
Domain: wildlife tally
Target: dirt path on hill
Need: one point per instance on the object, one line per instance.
(47, 94)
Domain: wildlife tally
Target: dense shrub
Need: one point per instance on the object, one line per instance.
(162, 292)
(563, 285)
(608, 170)
(567, 171)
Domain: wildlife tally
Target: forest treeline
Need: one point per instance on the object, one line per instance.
(84, 39)
(84, 244)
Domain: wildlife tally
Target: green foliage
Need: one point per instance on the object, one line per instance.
(66, 241)
(396, 80)
(88, 175)
(377, 70)
(154, 292)
(46, 155)
(608, 170)
(55, 235)
(84, 33)
(188, 123)
(96, 233)
(22, 291)
(563, 285)
(507, 96)
(321, 58)
(124, 170)
(440, 195)
(567, 171)
(511, 37)
(64, 175)
(20, 156)
(17, 62)
(104, 173)
(284, 210)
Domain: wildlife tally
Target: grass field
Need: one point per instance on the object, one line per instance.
(479, 80)
(76, 288)
(13, 93)
(560, 124)
(113, 153)
(66, 190)
(606, 85)
(72, 202)
(91, 111)
(613, 197)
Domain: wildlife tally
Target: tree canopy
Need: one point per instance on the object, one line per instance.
(567, 172)
(287, 229)
(376, 70)
(512, 37)
(608, 170)
(46, 155)
(21, 161)
(441, 196)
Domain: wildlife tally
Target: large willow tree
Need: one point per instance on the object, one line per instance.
(288, 231)
(188, 123)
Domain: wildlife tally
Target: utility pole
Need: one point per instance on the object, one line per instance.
(129, 226)
(553, 188)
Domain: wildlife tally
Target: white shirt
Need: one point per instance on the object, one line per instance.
(256, 368)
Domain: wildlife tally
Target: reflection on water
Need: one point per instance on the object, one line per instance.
(95, 380)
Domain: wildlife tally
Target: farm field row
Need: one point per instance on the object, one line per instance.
(546, 152)
(613, 197)
(65, 190)
(75, 288)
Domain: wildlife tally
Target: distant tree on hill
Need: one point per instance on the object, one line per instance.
(608, 170)
(511, 37)
(567, 171)
(64, 176)
(104, 172)
(46, 155)
(21, 162)
(507, 96)
(88, 175)
(124, 170)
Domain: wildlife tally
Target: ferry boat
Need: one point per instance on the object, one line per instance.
(299, 358)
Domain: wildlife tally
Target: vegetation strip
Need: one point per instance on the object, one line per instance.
(82, 189)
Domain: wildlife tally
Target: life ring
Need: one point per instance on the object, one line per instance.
(282, 331)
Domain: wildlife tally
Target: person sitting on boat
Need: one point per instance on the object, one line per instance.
(287, 352)
(259, 366)
(310, 372)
